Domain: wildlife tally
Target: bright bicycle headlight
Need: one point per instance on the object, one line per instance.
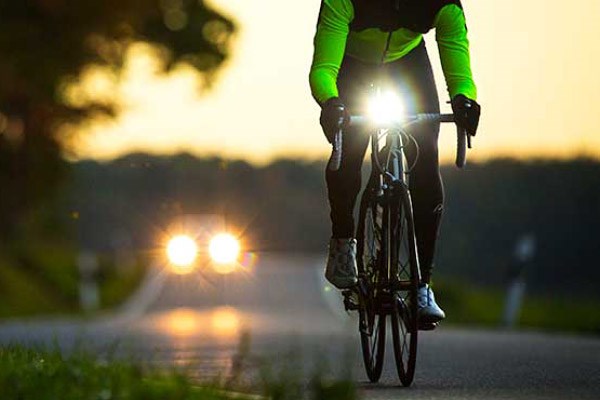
(385, 107)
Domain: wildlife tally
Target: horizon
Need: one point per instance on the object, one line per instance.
(316, 160)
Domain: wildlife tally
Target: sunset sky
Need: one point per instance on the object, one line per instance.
(536, 64)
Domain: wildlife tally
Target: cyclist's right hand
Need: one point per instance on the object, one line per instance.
(334, 115)
(466, 113)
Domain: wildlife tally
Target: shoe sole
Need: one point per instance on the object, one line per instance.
(427, 326)
(430, 319)
(346, 284)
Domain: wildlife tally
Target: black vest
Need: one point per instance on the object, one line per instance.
(391, 15)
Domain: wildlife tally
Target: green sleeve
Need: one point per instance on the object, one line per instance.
(453, 44)
(330, 44)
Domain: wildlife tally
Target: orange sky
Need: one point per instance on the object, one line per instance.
(536, 64)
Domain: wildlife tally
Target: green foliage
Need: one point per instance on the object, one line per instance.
(561, 314)
(41, 375)
(24, 295)
(43, 279)
(47, 375)
(468, 304)
(117, 282)
(52, 265)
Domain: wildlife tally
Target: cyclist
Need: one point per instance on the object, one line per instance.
(358, 41)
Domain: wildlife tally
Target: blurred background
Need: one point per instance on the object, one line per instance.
(119, 117)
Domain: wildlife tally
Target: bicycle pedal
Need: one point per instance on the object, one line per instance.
(350, 300)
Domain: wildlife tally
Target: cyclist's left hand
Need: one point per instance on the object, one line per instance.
(334, 115)
(466, 113)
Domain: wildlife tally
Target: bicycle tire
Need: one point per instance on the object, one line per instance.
(373, 344)
(405, 266)
(372, 320)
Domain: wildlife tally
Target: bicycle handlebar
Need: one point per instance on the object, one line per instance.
(463, 139)
(401, 123)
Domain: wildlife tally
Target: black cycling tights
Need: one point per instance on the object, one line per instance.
(413, 78)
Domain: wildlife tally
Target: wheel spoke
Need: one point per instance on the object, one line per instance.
(374, 343)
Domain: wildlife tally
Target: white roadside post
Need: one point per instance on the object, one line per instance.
(523, 254)
(89, 297)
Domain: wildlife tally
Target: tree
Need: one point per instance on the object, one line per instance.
(47, 44)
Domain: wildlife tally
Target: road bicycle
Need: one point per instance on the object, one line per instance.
(387, 258)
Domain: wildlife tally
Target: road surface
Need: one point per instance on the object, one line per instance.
(290, 317)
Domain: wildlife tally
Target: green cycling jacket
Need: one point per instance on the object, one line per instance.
(360, 29)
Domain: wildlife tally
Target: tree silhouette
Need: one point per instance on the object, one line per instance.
(47, 44)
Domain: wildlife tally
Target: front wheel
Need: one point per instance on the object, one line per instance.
(405, 266)
(372, 340)
(370, 253)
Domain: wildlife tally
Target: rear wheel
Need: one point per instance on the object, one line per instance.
(372, 319)
(404, 312)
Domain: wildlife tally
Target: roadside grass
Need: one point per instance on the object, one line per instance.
(118, 282)
(556, 314)
(20, 295)
(43, 279)
(41, 374)
(467, 304)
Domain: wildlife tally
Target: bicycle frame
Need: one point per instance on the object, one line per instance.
(389, 185)
(391, 177)
(387, 245)
(387, 175)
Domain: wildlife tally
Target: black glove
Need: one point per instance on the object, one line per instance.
(334, 115)
(466, 113)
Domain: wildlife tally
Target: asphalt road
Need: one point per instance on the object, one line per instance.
(291, 319)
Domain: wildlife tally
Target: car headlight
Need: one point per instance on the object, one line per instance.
(224, 249)
(182, 251)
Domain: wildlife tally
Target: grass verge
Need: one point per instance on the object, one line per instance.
(44, 280)
(473, 305)
(41, 375)
(38, 374)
